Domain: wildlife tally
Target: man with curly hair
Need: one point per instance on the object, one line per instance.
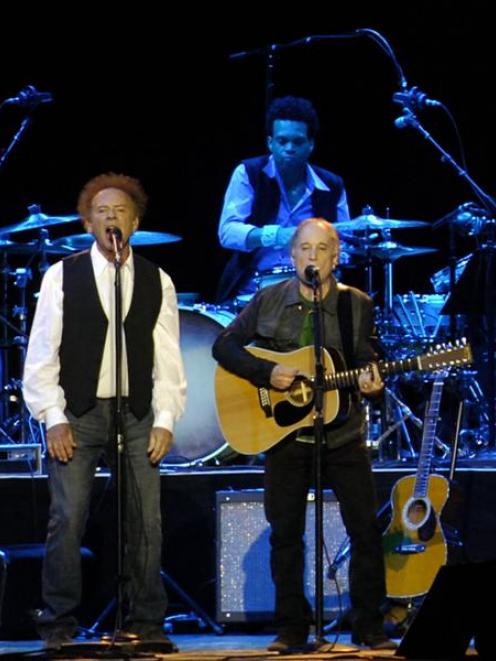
(269, 195)
(70, 385)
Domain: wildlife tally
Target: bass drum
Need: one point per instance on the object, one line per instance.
(197, 435)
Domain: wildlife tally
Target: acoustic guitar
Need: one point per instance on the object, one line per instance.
(254, 419)
(414, 542)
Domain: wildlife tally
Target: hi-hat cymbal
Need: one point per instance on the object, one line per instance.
(36, 220)
(371, 222)
(390, 250)
(84, 241)
(33, 247)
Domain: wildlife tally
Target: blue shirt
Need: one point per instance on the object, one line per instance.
(238, 203)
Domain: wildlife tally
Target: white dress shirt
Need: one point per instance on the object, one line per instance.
(42, 392)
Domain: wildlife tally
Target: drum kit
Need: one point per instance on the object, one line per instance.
(407, 323)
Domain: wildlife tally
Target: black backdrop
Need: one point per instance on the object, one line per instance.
(152, 92)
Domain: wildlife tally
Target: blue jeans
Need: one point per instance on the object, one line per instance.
(70, 488)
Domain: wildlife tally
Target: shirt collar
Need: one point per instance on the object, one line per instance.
(100, 263)
(330, 302)
(313, 179)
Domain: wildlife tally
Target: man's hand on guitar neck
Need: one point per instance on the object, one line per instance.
(370, 382)
(282, 377)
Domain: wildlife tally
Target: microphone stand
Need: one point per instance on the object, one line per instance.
(17, 137)
(119, 435)
(485, 267)
(318, 426)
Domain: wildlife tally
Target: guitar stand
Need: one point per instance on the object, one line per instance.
(201, 615)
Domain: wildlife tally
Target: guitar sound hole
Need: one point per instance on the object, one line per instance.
(417, 512)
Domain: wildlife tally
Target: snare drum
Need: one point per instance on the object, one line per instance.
(274, 276)
(197, 435)
(264, 279)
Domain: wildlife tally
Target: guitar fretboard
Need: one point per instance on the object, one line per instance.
(448, 357)
(428, 436)
(349, 378)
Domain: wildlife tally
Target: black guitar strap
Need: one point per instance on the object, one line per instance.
(345, 318)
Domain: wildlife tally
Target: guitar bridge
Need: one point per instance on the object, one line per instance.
(409, 549)
(264, 401)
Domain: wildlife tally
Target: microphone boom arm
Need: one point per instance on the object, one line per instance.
(409, 119)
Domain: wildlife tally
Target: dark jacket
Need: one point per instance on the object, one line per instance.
(274, 320)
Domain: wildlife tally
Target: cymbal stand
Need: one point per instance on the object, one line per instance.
(22, 276)
(366, 210)
(4, 354)
(19, 427)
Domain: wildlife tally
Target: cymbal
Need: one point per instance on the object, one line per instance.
(33, 247)
(371, 222)
(36, 220)
(84, 241)
(390, 250)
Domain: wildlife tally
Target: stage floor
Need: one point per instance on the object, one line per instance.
(210, 647)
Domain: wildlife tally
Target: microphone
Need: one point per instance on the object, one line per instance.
(115, 231)
(415, 99)
(407, 119)
(312, 274)
(29, 97)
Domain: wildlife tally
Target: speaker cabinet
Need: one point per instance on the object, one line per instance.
(455, 610)
(245, 592)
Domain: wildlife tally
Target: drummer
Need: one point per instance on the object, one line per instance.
(268, 196)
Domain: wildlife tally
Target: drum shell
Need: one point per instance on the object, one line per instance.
(197, 435)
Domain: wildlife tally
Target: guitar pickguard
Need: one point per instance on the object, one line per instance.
(286, 414)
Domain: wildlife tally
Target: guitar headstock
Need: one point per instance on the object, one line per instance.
(444, 356)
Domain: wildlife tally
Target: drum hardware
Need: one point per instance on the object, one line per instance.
(418, 315)
(397, 413)
(393, 415)
(474, 297)
(440, 280)
(467, 220)
(18, 426)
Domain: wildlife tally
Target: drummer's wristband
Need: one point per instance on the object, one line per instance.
(269, 235)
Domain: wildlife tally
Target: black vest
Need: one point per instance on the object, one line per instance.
(85, 327)
(266, 201)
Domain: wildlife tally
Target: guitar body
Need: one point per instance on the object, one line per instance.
(254, 419)
(251, 428)
(414, 543)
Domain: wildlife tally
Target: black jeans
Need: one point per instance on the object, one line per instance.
(288, 477)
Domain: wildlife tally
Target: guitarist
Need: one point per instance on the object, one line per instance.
(278, 318)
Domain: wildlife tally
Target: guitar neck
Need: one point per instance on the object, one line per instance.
(441, 358)
(428, 437)
(349, 378)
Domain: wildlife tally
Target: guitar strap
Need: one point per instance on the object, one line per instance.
(345, 318)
